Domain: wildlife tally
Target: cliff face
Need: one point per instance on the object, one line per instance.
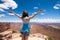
(45, 29)
(4, 26)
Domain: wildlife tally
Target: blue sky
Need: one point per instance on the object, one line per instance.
(51, 7)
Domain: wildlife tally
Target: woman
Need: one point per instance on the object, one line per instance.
(26, 24)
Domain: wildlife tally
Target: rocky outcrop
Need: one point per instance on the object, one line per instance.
(36, 36)
(5, 32)
(4, 26)
(6, 35)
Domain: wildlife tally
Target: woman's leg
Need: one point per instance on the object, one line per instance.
(23, 38)
(26, 37)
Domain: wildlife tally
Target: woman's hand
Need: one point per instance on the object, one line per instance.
(42, 11)
(12, 12)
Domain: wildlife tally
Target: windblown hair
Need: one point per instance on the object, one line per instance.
(25, 14)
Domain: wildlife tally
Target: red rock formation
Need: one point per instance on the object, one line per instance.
(4, 26)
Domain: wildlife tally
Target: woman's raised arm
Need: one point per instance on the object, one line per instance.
(16, 15)
(36, 14)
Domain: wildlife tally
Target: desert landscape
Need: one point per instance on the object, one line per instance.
(38, 31)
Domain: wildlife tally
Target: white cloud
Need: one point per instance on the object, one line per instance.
(35, 7)
(46, 20)
(1, 10)
(8, 4)
(57, 6)
(42, 13)
(2, 15)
